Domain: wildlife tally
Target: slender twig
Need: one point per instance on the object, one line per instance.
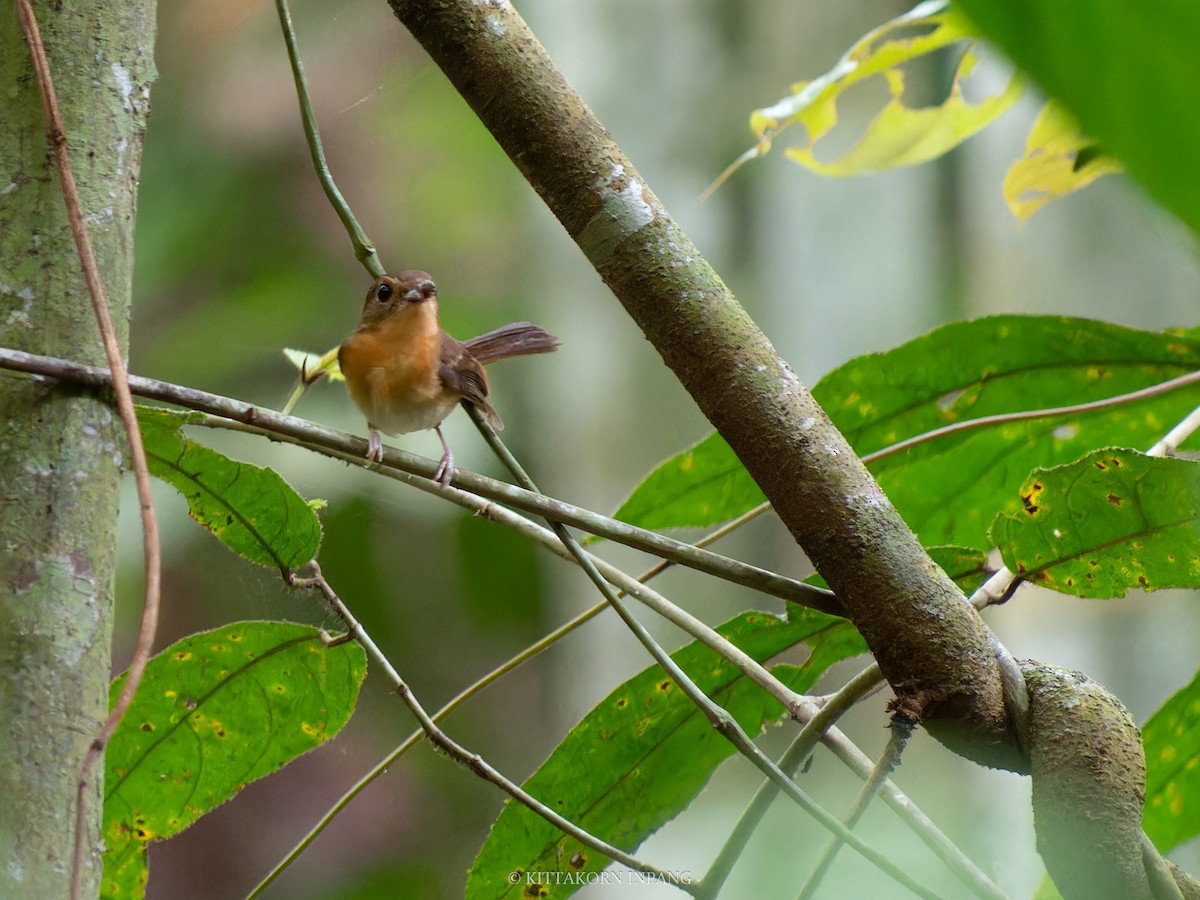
(919, 823)
(552, 543)
(724, 723)
(364, 249)
(901, 731)
(1154, 390)
(997, 589)
(411, 741)
(612, 578)
(817, 722)
(1163, 885)
(320, 439)
(112, 352)
(715, 535)
(1177, 435)
(819, 727)
(1167, 446)
(625, 583)
(459, 754)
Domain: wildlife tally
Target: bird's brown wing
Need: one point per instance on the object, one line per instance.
(517, 339)
(463, 374)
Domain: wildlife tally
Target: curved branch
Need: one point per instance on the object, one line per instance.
(238, 413)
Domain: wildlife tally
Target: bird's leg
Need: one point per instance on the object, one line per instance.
(445, 469)
(374, 444)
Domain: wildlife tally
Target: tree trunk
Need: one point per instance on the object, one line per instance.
(61, 451)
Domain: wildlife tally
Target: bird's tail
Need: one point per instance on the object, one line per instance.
(517, 339)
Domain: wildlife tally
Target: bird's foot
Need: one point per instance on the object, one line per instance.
(444, 473)
(374, 446)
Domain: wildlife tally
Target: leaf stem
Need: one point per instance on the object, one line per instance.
(364, 248)
(547, 538)
(1154, 390)
(901, 730)
(459, 754)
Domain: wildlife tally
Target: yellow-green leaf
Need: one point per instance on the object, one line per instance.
(313, 364)
(1058, 159)
(899, 135)
(644, 753)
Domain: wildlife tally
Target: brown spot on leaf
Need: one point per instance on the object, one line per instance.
(1030, 497)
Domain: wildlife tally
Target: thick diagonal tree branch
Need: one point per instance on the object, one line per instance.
(946, 668)
(931, 645)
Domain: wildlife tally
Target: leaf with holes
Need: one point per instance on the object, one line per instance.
(252, 510)
(907, 130)
(1172, 739)
(644, 753)
(1059, 159)
(1128, 71)
(214, 712)
(1112, 521)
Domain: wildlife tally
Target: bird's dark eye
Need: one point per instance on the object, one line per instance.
(384, 292)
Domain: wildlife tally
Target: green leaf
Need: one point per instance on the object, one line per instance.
(214, 712)
(950, 489)
(700, 486)
(126, 871)
(253, 511)
(1128, 71)
(1172, 740)
(645, 752)
(1058, 160)
(1046, 889)
(1112, 521)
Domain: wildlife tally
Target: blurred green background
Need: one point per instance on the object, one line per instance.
(238, 256)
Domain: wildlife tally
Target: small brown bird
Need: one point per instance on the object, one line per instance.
(406, 374)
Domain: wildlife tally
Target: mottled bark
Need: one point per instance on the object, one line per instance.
(61, 449)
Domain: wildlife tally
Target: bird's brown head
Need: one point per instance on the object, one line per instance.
(394, 295)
